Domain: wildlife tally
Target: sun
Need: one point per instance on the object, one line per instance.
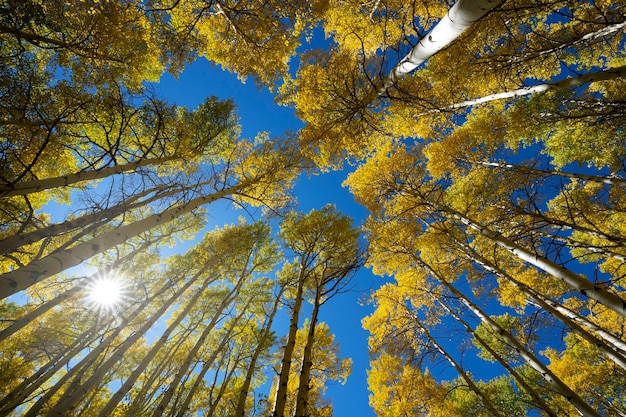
(105, 292)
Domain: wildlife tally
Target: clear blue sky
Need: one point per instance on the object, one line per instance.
(258, 112)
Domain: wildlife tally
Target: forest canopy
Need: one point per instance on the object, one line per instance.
(485, 139)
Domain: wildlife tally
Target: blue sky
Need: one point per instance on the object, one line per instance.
(258, 112)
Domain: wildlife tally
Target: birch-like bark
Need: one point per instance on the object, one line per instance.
(26, 388)
(280, 400)
(302, 399)
(34, 186)
(90, 358)
(559, 386)
(602, 179)
(487, 403)
(156, 347)
(64, 296)
(240, 409)
(611, 346)
(577, 282)
(208, 363)
(12, 243)
(37, 271)
(66, 404)
(573, 82)
(516, 376)
(459, 18)
(189, 359)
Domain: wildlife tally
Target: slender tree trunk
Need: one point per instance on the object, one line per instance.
(37, 312)
(240, 409)
(559, 386)
(573, 82)
(487, 403)
(91, 357)
(283, 379)
(169, 393)
(34, 186)
(156, 347)
(302, 399)
(20, 394)
(579, 283)
(516, 376)
(58, 261)
(208, 363)
(12, 243)
(550, 172)
(611, 346)
(459, 18)
(68, 400)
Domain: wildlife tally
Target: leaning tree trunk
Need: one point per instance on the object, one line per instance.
(94, 353)
(519, 379)
(58, 261)
(12, 243)
(240, 409)
(155, 348)
(283, 377)
(302, 399)
(577, 282)
(208, 363)
(459, 18)
(559, 386)
(611, 346)
(602, 179)
(468, 380)
(573, 82)
(34, 186)
(68, 400)
(169, 393)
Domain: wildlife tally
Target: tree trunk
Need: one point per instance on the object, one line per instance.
(516, 376)
(582, 285)
(240, 408)
(90, 358)
(34, 186)
(12, 243)
(154, 349)
(208, 363)
(611, 346)
(573, 82)
(281, 390)
(169, 393)
(487, 403)
(68, 400)
(304, 387)
(583, 408)
(20, 394)
(550, 172)
(459, 18)
(22, 278)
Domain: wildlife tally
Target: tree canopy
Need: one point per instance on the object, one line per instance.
(485, 139)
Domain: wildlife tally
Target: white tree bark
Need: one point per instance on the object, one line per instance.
(28, 187)
(66, 404)
(583, 408)
(579, 283)
(36, 271)
(572, 82)
(459, 18)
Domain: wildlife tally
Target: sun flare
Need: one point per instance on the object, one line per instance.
(105, 292)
